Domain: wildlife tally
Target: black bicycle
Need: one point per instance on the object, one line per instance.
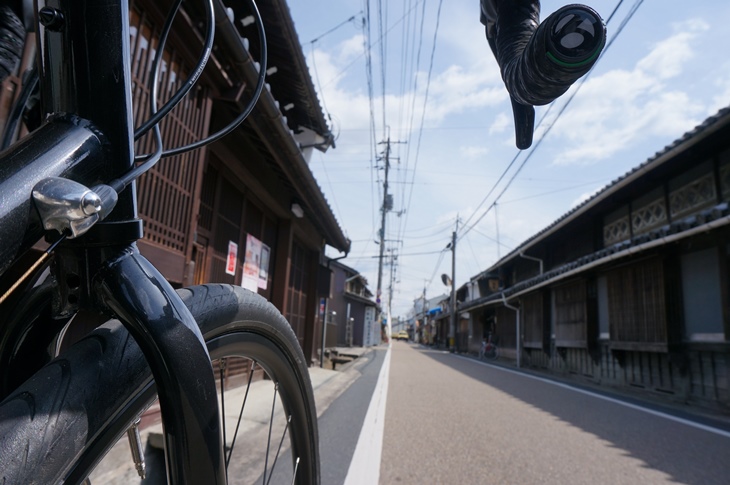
(71, 181)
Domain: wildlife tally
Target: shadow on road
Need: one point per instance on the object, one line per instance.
(687, 454)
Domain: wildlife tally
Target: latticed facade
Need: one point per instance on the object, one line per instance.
(223, 213)
(635, 291)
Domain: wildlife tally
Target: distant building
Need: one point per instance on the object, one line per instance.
(354, 322)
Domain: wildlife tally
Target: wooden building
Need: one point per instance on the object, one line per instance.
(249, 198)
(629, 289)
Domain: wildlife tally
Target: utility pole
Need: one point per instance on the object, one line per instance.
(452, 325)
(384, 210)
(393, 259)
(386, 207)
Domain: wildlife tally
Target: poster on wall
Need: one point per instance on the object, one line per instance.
(232, 258)
(251, 264)
(264, 266)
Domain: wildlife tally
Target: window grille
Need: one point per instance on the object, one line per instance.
(649, 216)
(533, 320)
(637, 304)
(570, 315)
(166, 191)
(693, 196)
(616, 231)
(296, 310)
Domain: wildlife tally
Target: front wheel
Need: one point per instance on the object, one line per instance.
(58, 425)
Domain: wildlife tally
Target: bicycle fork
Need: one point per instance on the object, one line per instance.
(123, 284)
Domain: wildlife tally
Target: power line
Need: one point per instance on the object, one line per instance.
(425, 101)
(344, 22)
(370, 45)
(415, 59)
(369, 77)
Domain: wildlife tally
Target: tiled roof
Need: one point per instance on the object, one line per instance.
(721, 118)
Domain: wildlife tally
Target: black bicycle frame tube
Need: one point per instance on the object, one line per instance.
(65, 147)
(84, 70)
(156, 317)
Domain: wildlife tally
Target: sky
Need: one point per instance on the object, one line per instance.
(447, 114)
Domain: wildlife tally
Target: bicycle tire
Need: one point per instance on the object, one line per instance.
(58, 425)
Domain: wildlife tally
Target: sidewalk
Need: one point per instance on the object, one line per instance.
(253, 434)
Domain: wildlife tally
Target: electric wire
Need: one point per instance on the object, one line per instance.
(260, 82)
(333, 29)
(192, 79)
(371, 105)
(119, 184)
(319, 86)
(412, 111)
(383, 58)
(425, 102)
(372, 44)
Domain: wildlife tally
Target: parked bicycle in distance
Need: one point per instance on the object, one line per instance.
(489, 349)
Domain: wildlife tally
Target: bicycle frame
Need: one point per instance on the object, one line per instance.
(85, 81)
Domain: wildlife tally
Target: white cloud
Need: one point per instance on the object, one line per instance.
(474, 152)
(500, 124)
(583, 197)
(351, 48)
(722, 98)
(668, 57)
(621, 107)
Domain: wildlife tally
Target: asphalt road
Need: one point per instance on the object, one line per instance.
(450, 419)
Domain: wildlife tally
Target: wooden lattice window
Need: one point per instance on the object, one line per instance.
(533, 320)
(505, 330)
(166, 192)
(616, 231)
(571, 322)
(649, 216)
(692, 197)
(229, 211)
(637, 305)
(296, 310)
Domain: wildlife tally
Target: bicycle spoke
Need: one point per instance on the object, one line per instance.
(276, 458)
(296, 467)
(271, 424)
(221, 368)
(240, 415)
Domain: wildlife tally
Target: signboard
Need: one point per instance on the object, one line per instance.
(232, 258)
(250, 279)
(371, 332)
(255, 264)
(264, 266)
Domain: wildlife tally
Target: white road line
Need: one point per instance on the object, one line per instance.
(365, 465)
(660, 414)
